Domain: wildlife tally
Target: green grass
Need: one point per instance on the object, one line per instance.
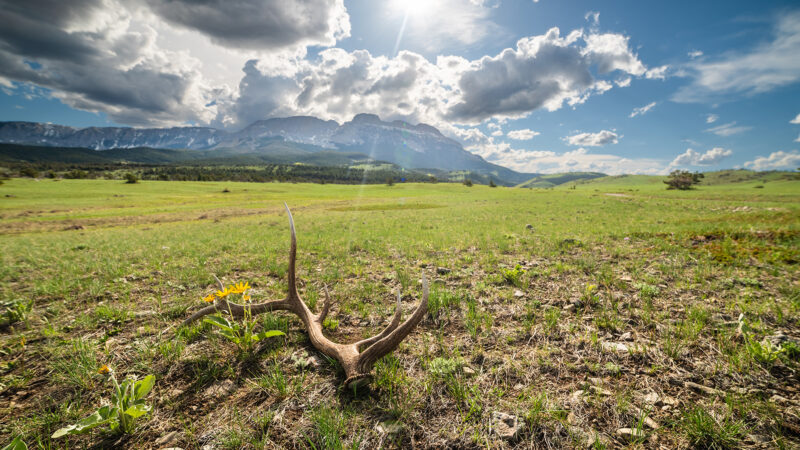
(112, 269)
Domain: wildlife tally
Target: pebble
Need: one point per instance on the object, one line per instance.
(169, 439)
(618, 347)
(631, 433)
(220, 389)
(389, 427)
(506, 426)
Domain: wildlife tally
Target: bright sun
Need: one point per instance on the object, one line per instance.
(417, 8)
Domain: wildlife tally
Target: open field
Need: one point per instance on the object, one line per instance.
(581, 311)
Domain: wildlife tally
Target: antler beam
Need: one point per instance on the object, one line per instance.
(357, 358)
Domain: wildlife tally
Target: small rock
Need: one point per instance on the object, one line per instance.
(631, 433)
(626, 336)
(442, 270)
(518, 293)
(220, 389)
(651, 398)
(600, 391)
(389, 427)
(577, 396)
(528, 227)
(758, 439)
(703, 389)
(617, 347)
(506, 426)
(175, 393)
(779, 399)
(570, 308)
(596, 381)
(169, 439)
(669, 401)
(572, 419)
(468, 371)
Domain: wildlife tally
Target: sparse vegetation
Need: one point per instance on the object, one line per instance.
(674, 308)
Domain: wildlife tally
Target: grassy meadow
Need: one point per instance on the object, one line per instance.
(609, 313)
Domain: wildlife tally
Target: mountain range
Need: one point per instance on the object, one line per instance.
(290, 139)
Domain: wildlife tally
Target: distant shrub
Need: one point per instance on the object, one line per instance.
(682, 179)
(29, 172)
(389, 181)
(76, 174)
(491, 183)
(130, 178)
(467, 182)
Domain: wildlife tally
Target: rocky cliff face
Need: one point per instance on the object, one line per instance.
(411, 146)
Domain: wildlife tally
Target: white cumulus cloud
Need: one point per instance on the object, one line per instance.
(693, 158)
(796, 120)
(600, 138)
(711, 118)
(523, 135)
(775, 161)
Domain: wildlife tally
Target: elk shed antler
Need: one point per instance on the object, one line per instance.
(357, 358)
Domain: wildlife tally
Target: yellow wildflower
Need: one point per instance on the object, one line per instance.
(224, 293)
(246, 297)
(209, 298)
(239, 288)
(103, 369)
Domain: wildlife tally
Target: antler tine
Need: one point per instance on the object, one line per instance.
(292, 256)
(393, 339)
(326, 306)
(221, 286)
(237, 310)
(395, 321)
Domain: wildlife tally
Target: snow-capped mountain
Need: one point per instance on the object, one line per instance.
(410, 146)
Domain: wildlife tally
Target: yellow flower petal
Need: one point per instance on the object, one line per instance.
(209, 298)
(103, 370)
(239, 288)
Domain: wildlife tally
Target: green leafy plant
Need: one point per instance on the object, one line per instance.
(514, 275)
(13, 311)
(127, 405)
(442, 367)
(242, 334)
(16, 444)
(590, 297)
(764, 352)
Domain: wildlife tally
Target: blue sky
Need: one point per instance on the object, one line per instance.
(546, 86)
